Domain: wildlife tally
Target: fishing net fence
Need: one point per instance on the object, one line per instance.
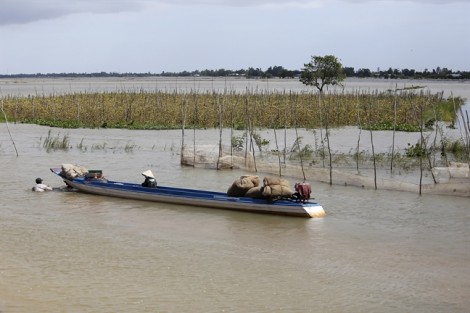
(347, 156)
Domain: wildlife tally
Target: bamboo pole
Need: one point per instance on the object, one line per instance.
(8, 128)
(327, 122)
(231, 133)
(278, 152)
(183, 125)
(360, 131)
(195, 122)
(78, 112)
(394, 126)
(285, 139)
(274, 125)
(418, 114)
(428, 155)
(34, 109)
(221, 125)
(252, 148)
(250, 128)
(438, 129)
(423, 148)
(247, 122)
(372, 143)
(320, 105)
(276, 122)
(298, 140)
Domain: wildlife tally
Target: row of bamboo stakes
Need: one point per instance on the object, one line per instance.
(247, 110)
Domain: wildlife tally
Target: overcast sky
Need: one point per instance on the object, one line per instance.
(57, 36)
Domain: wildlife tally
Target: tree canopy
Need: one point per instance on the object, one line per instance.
(272, 72)
(322, 71)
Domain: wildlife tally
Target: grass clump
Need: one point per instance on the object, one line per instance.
(57, 142)
(457, 149)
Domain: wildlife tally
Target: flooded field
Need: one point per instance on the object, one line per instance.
(375, 251)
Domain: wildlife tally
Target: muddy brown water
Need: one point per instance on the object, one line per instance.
(375, 251)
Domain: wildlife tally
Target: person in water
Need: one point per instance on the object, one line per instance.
(40, 187)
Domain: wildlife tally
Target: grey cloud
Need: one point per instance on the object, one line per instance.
(412, 1)
(27, 11)
(300, 3)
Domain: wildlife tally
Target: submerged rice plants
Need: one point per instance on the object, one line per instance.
(162, 110)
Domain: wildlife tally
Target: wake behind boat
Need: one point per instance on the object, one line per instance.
(93, 182)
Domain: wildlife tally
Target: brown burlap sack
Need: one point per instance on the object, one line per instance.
(240, 186)
(71, 171)
(255, 192)
(251, 179)
(234, 191)
(268, 181)
(273, 191)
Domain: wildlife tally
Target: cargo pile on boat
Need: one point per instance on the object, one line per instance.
(249, 186)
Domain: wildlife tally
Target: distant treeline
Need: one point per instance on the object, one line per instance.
(271, 72)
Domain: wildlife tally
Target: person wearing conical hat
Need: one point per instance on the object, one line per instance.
(150, 180)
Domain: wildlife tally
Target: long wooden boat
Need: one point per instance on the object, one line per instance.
(192, 197)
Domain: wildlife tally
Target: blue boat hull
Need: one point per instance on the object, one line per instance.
(193, 197)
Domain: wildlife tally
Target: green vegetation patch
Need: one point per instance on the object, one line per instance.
(408, 110)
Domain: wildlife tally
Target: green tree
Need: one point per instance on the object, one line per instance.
(322, 71)
(349, 71)
(254, 72)
(364, 72)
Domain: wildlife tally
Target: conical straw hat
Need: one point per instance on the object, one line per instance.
(148, 173)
